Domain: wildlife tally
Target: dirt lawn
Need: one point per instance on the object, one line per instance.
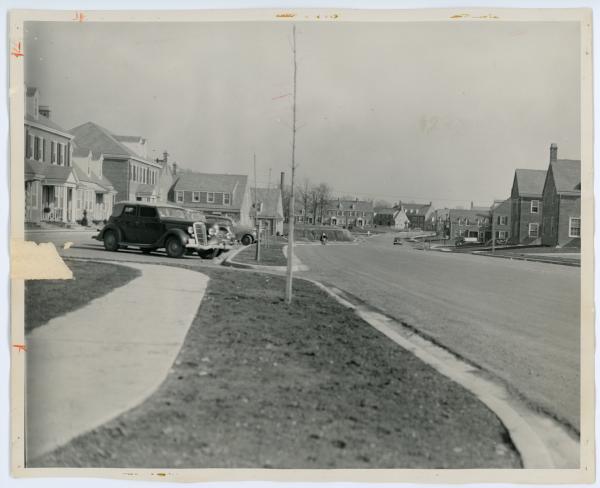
(262, 384)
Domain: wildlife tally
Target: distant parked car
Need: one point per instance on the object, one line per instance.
(397, 241)
(461, 241)
(150, 226)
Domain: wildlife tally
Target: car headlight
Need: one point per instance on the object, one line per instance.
(190, 230)
(213, 230)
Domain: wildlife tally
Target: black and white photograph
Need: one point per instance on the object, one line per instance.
(303, 240)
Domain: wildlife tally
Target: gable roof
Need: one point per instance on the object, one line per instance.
(95, 137)
(465, 213)
(234, 184)
(48, 171)
(530, 182)
(45, 121)
(270, 198)
(359, 205)
(567, 176)
(97, 183)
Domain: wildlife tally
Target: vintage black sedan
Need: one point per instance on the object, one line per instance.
(152, 226)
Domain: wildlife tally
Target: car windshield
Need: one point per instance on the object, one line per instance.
(195, 215)
(178, 213)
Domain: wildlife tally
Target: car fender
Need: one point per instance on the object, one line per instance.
(114, 228)
(179, 233)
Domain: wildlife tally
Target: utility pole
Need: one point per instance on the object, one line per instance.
(257, 222)
(290, 251)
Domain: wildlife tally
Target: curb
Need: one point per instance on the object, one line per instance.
(522, 258)
(541, 442)
(229, 261)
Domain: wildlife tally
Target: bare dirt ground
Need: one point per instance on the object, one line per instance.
(262, 384)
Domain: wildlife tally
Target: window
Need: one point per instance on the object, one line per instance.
(533, 230)
(59, 154)
(179, 196)
(129, 210)
(502, 220)
(29, 148)
(574, 227)
(36, 148)
(195, 196)
(535, 206)
(148, 212)
(226, 199)
(210, 197)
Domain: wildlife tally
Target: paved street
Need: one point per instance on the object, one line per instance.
(516, 319)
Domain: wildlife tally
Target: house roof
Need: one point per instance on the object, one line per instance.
(270, 198)
(93, 180)
(145, 189)
(567, 176)
(415, 206)
(128, 138)
(360, 205)
(81, 152)
(45, 121)
(95, 137)
(234, 184)
(464, 213)
(48, 171)
(385, 211)
(530, 182)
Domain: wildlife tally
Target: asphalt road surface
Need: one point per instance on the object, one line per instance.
(517, 320)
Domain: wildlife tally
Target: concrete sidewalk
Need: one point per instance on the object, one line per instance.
(90, 365)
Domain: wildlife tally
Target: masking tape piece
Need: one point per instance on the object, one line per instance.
(31, 261)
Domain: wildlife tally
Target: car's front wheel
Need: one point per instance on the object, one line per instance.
(111, 243)
(247, 240)
(174, 247)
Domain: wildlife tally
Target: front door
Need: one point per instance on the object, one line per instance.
(69, 204)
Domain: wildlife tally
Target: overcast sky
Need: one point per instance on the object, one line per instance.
(437, 111)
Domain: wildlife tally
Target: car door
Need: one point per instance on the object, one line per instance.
(129, 223)
(149, 225)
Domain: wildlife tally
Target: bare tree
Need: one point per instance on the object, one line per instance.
(323, 196)
(305, 196)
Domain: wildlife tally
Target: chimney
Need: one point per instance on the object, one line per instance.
(282, 180)
(553, 151)
(174, 168)
(44, 110)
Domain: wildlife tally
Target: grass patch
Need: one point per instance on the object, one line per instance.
(269, 256)
(262, 384)
(47, 299)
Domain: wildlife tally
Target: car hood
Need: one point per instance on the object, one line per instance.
(176, 221)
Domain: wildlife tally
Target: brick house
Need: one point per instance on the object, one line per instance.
(501, 213)
(270, 209)
(391, 217)
(344, 213)
(469, 223)
(125, 162)
(562, 204)
(214, 194)
(526, 206)
(420, 215)
(50, 182)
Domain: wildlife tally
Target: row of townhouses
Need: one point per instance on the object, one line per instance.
(76, 176)
(544, 208)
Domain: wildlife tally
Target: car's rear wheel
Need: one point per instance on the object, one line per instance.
(174, 247)
(111, 243)
(247, 240)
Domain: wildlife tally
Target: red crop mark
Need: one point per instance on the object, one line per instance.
(281, 96)
(20, 347)
(16, 51)
(79, 16)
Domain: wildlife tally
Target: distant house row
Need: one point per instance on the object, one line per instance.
(73, 176)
